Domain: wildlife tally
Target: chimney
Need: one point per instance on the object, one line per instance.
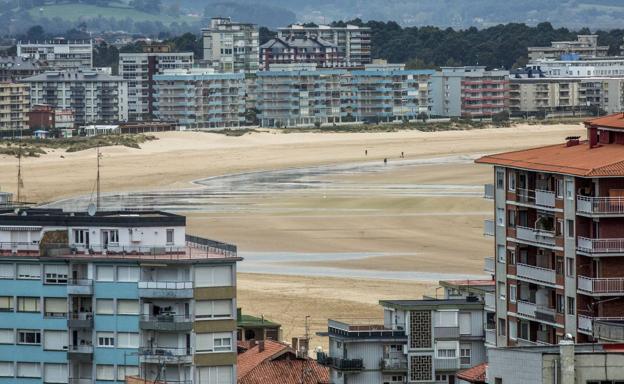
(571, 141)
(261, 346)
(566, 356)
(592, 135)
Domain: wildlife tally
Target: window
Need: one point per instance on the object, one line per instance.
(28, 370)
(55, 307)
(213, 276)
(105, 273)
(446, 349)
(104, 307)
(6, 369)
(512, 181)
(127, 340)
(559, 188)
(7, 271)
(571, 306)
(570, 189)
(128, 307)
(525, 333)
(213, 309)
(7, 336)
(106, 339)
(213, 342)
(464, 355)
(55, 373)
(512, 257)
(29, 271)
(502, 327)
(502, 291)
(511, 218)
(105, 372)
(570, 231)
(569, 267)
(500, 253)
(32, 337)
(446, 318)
(500, 217)
(126, 370)
(55, 273)
(28, 304)
(169, 236)
(81, 236)
(6, 303)
(128, 274)
(216, 375)
(55, 340)
(513, 330)
(512, 293)
(500, 180)
(560, 304)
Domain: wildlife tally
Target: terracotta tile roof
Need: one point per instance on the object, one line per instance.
(277, 364)
(475, 374)
(615, 121)
(578, 160)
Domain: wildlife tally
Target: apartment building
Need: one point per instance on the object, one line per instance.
(96, 298)
(420, 341)
(300, 50)
(200, 98)
(470, 92)
(138, 69)
(353, 42)
(585, 46)
(231, 46)
(14, 68)
(94, 97)
(558, 239)
(551, 96)
(590, 67)
(14, 107)
(58, 55)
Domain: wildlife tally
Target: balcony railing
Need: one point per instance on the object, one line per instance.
(585, 323)
(536, 236)
(446, 332)
(339, 363)
(451, 364)
(489, 228)
(165, 354)
(601, 286)
(534, 311)
(596, 246)
(539, 274)
(488, 192)
(544, 198)
(79, 286)
(600, 205)
(490, 336)
(166, 322)
(393, 365)
(526, 308)
(489, 265)
(490, 301)
(364, 328)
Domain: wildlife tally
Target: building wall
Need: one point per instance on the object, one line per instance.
(507, 366)
(59, 56)
(14, 106)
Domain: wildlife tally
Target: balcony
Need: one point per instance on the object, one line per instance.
(166, 289)
(489, 265)
(364, 329)
(490, 337)
(490, 301)
(489, 228)
(609, 329)
(160, 355)
(536, 236)
(393, 365)
(600, 246)
(446, 364)
(526, 308)
(166, 322)
(488, 192)
(80, 353)
(79, 287)
(536, 274)
(538, 198)
(80, 320)
(600, 206)
(446, 332)
(537, 312)
(345, 365)
(601, 286)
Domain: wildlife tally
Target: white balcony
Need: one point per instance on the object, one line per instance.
(585, 323)
(602, 206)
(451, 364)
(544, 198)
(526, 308)
(489, 228)
(536, 236)
(489, 265)
(490, 337)
(601, 286)
(538, 274)
(490, 301)
(166, 289)
(600, 246)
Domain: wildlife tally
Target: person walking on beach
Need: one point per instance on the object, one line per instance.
(366, 152)
(402, 155)
(385, 160)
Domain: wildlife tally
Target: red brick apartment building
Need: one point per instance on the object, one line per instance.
(559, 238)
(485, 95)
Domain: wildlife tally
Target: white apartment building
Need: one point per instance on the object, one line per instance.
(597, 67)
(94, 97)
(138, 69)
(584, 46)
(231, 46)
(58, 54)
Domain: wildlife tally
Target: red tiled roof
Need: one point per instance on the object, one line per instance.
(578, 160)
(615, 121)
(253, 357)
(475, 374)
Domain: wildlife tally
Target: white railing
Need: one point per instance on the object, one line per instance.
(601, 285)
(534, 235)
(490, 336)
(488, 228)
(490, 301)
(489, 265)
(600, 205)
(526, 308)
(544, 198)
(600, 245)
(488, 191)
(165, 284)
(531, 272)
(585, 323)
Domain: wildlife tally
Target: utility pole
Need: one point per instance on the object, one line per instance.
(20, 183)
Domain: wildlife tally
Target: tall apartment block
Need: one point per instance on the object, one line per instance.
(419, 341)
(94, 298)
(200, 98)
(300, 50)
(554, 96)
(231, 46)
(354, 43)
(138, 69)
(94, 97)
(470, 92)
(59, 54)
(585, 46)
(14, 107)
(558, 238)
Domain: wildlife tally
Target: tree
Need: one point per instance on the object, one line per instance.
(35, 33)
(422, 116)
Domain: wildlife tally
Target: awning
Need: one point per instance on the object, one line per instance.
(19, 228)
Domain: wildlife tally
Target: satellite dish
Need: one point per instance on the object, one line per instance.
(91, 209)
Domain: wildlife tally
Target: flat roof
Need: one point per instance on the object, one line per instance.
(431, 303)
(58, 217)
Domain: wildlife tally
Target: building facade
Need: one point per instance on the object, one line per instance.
(94, 97)
(200, 98)
(550, 96)
(231, 46)
(93, 299)
(557, 232)
(14, 107)
(585, 46)
(58, 55)
(300, 50)
(138, 69)
(353, 42)
(15, 68)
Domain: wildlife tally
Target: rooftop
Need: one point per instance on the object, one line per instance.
(256, 322)
(427, 303)
(73, 75)
(614, 121)
(578, 348)
(476, 374)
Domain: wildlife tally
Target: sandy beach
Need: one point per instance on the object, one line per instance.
(420, 218)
